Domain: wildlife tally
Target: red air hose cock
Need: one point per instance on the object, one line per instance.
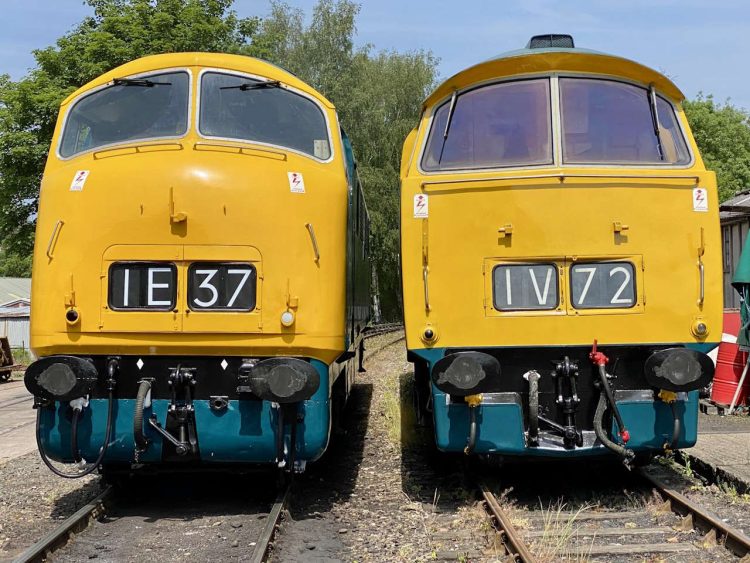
(598, 358)
(625, 436)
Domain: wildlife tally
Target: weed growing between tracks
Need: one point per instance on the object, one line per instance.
(560, 530)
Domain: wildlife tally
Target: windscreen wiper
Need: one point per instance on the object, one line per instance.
(655, 119)
(245, 86)
(451, 110)
(138, 82)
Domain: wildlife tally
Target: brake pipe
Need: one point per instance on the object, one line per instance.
(473, 401)
(670, 398)
(600, 360)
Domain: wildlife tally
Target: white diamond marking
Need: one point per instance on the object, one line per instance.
(139, 363)
(224, 364)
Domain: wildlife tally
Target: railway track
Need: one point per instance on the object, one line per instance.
(75, 523)
(99, 508)
(267, 536)
(384, 328)
(676, 529)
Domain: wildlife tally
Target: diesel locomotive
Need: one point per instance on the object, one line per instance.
(561, 258)
(201, 275)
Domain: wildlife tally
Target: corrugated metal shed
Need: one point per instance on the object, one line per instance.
(14, 323)
(735, 224)
(14, 289)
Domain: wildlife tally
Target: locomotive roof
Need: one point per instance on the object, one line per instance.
(530, 61)
(221, 61)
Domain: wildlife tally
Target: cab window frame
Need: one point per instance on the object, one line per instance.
(240, 74)
(427, 121)
(128, 142)
(551, 90)
(560, 131)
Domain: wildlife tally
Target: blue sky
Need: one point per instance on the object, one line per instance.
(703, 46)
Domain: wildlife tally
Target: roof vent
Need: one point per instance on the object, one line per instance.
(551, 40)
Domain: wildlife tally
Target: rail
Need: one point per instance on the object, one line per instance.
(693, 518)
(265, 543)
(60, 535)
(514, 544)
(733, 539)
(375, 330)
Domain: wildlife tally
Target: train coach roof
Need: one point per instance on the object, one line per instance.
(223, 61)
(529, 61)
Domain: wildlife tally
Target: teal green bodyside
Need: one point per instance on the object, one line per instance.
(651, 423)
(244, 432)
(500, 427)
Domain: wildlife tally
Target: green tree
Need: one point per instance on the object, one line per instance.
(117, 32)
(722, 133)
(14, 265)
(378, 96)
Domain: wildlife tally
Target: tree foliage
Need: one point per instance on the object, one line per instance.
(378, 96)
(722, 133)
(15, 265)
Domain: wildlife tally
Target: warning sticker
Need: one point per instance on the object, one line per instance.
(420, 206)
(296, 183)
(700, 199)
(79, 180)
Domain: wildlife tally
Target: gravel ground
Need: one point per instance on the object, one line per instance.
(33, 501)
(713, 423)
(182, 517)
(381, 493)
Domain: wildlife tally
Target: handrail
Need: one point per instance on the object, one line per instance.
(53, 238)
(314, 241)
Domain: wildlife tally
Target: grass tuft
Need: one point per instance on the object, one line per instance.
(559, 533)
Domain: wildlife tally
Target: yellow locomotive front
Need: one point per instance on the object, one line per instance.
(200, 262)
(561, 257)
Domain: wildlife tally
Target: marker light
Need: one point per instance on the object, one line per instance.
(429, 335)
(287, 318)
(699, 328)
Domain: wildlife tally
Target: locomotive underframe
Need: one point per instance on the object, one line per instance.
(503, 414)
(210, 411)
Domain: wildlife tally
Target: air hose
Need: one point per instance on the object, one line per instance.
(74, 434)
(74, 442)
(670, 397)
(473, 402)
(676, 428)
(472, 431)
(111, 369)
(141, 442)
(626, 454)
